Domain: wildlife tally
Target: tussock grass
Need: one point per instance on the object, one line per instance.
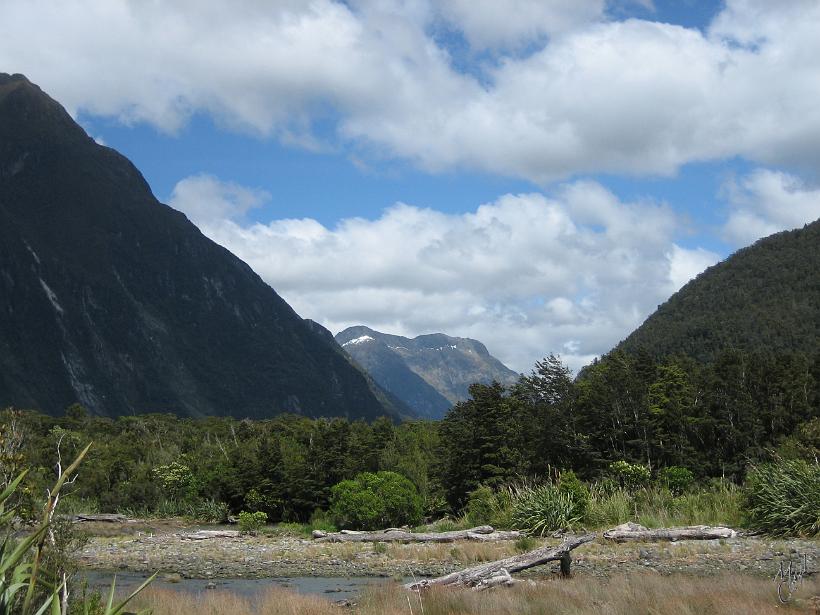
(783, 498)
(626, 595)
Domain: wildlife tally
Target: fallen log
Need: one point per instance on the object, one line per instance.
(483, 533)
(502, 578)
(638, 533)
(207, 534)
(493, 570)
(103, 518)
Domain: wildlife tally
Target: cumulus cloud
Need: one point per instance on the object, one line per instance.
(527, 274)
(765, 202)
(517, 22)
(204, 198)
(590, 95)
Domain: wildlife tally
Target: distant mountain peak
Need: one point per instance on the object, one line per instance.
(430, 372)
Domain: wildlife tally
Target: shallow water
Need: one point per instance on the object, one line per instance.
(334, 588)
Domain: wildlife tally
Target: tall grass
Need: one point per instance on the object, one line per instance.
(204, 511)
(623, 595)
(542, 508)
(656, 506)
(783, 498)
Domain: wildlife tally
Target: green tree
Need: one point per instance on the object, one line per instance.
(375, 501)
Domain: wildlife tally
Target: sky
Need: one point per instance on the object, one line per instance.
(537, 174)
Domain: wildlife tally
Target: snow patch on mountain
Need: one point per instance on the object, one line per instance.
(359, 340)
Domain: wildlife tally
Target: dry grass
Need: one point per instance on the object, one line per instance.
(462, 552)
(628, 595)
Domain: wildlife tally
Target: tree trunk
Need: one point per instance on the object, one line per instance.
(483, 533)
(633, 531)
(483, 572)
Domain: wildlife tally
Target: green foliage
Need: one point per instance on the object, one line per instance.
(545, 508)
(44, 553)
(571, 485)
(251, 522)
(677, 479)
(762, 298)
(632, 476)
(657, 506)
(177, 480)
(374, 501)
(803, 443)
(480, 506)
(783, 498)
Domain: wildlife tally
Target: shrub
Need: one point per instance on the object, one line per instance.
(374, 501)
(177, 480)
(783, 498)
(480, 506)
(677, 479)
(630, 475)
(251, 522)
(570, 484)
(543, 509)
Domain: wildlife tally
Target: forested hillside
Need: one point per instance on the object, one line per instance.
(765, 297)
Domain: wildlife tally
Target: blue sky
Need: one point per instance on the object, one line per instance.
(539, 175)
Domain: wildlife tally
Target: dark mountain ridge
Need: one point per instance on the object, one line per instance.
(114, 300)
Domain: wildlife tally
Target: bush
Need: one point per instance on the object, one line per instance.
(375, 501)
(570, 484)
(630, 475)
(252, 522)
(677, 479)
(544, 509)
(783, 498)
(480, 505)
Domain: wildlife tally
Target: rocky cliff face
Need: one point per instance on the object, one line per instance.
(116, 301)
(429, 373)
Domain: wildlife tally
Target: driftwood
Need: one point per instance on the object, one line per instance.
(206, 534)
(105, 518)
(492, 571)
(483, 533)
(634, 532)
(503, 577)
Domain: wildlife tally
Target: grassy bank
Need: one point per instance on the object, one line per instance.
(627, 595)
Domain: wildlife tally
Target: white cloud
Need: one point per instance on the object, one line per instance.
(630, 96)
(765, 202)
(527, 274)
(517, 22)
(204, 198)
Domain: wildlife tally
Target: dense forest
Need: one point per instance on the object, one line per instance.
(763, 297)
(714, 419)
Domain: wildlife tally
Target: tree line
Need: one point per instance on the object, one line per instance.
(713, 419)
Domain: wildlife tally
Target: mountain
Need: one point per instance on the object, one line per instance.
(429, 373)
(763, 297)
(113, 300)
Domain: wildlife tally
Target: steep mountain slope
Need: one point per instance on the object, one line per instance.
(430, 372)
(765, 296)
(114, 300)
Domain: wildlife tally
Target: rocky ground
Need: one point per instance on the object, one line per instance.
(167, 548)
